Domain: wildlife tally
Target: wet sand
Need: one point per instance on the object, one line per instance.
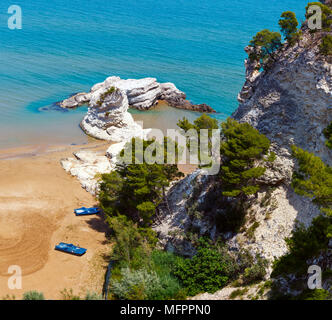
(37, 198)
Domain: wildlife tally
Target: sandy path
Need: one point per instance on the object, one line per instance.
(37, 198)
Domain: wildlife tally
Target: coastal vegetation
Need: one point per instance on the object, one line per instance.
(104, 95)
(130, 197)
(328, 135)
(266, 43)
(243, 147)
(288, 25)
(33, 295)
(326, 45)
(136, 189)
(313, 180)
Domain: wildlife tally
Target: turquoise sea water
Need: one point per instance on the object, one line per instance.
(67, 46)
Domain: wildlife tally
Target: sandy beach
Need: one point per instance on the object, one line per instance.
(37, 198)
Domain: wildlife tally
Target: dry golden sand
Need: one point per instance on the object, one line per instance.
(37, 198)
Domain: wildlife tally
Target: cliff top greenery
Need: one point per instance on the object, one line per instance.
(328, 132)
(266, 43)
(313, 179)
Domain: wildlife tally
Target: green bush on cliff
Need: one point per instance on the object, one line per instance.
(104, 95)
(313, 179)
(242, 147)
(139, 270)
(326, 45)
(288, 24)
(265, 43)
(303, 245)
(135, 190)
(207, 271)
(203, 122)
(328, 135)
(316, 294)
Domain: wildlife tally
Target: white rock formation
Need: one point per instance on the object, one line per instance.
(142, 94)
(86, 166)
(108, 117)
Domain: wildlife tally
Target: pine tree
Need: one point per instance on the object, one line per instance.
(136, 190)
(265, 43)
(242, 147)
(288, 24)
(313, 179)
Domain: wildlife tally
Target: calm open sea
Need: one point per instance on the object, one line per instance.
(67, 46)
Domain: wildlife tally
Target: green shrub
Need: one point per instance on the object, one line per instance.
(93, 296)
(265, 43)
(256, 272)
(104, 95)
(137, 285)
(242, 147)
(133, 245)
(207, 271)
(69, 295)
(238, 293)
(326, 46)
(328, 135)
(33, 295)
(134, 189)
(288, 24)
(316, 294)
(313, 179)
(163, 263)
(304, 244)
(204, 122)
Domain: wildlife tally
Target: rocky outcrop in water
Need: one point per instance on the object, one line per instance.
(108, 117)
(142, 94)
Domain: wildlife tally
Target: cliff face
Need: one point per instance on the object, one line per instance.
(291, 103)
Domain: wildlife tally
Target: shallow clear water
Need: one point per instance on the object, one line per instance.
(67, 46)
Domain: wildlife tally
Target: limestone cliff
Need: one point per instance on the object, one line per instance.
(291, 103)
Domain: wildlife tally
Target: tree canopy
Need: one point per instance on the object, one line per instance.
(265, 43)
(135, 190)
(313, 179)
(288, 24)
(243, 146)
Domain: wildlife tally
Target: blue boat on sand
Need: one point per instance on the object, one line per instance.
(86, 211)
(70, 248)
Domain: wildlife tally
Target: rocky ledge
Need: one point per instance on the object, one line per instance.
(142, 94)
(87, 165)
